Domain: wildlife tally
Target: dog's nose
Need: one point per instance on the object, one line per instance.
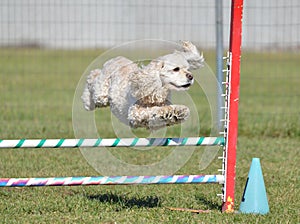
(189, 76)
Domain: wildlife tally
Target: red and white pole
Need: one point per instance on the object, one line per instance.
(233, 101)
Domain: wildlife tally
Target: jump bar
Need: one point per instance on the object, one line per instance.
(112, 142)
(110, 180)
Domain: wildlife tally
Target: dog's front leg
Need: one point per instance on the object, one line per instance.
(158, 116)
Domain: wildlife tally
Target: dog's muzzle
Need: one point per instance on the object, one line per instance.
(190, 81)
(189, 76)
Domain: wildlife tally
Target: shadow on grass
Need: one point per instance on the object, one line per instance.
(211, 205)
(126, 202)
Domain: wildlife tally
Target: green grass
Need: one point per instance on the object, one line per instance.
(37, 89)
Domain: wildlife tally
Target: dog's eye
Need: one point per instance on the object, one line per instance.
(176, 69)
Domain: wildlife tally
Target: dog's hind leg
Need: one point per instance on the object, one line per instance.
(95, 93)
(100, 89)
(157, 117)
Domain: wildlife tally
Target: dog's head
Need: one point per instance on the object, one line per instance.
(174, 72)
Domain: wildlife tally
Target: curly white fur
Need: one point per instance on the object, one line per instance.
(140, 97)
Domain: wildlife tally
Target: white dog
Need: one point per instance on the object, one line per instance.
(140, 96)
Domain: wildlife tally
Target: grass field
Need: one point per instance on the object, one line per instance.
(37, 89)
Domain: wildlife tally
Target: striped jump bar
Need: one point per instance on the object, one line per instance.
(110, 180)
(113, 142)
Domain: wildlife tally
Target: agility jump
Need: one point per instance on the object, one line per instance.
(228, 140)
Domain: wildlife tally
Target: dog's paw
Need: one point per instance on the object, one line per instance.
(180, 112)
(174, 113)
(157, 117)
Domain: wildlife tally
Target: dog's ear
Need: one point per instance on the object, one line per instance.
(192, 55)
(156, 65)
(159, 64)
(144, 83)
